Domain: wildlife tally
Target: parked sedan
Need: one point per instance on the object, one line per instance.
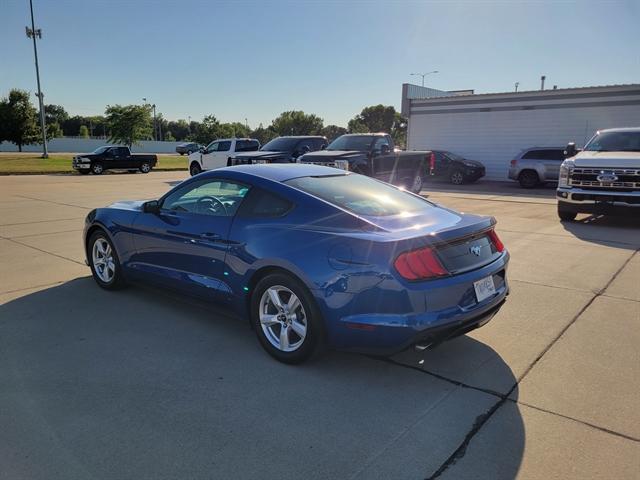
(188, 148)
(311, 255)
(454, 168)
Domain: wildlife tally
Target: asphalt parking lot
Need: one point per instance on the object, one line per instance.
(148, 385)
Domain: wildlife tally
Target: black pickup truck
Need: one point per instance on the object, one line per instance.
(112, 157)
(281, 150)
(374, 155)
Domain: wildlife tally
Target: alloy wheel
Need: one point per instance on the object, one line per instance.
(457, 178)
(103, 261)
(282, 318)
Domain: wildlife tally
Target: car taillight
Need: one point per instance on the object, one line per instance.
(493, 236)
(514, 162)
(419, 265)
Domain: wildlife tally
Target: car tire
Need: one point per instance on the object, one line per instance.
(528, 179)
(566, 215)
(194, 169)
(456, 177)
(418, 184)
(104, 262)
(304, 334)
(181, 153)
(145, 167)
(97, 168)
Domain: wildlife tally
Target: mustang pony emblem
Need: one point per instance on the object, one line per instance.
(475, 249)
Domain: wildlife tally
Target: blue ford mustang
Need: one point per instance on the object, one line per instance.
(311, 255)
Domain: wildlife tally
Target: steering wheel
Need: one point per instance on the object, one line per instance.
(200, 207)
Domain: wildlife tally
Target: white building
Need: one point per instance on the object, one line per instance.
(494, 127)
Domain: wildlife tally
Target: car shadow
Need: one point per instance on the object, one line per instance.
(146, 383)
(615, 231)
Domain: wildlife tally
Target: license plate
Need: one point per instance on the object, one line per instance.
(484, 288)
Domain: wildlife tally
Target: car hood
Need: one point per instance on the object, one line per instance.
(608, 159)
(327, 155)
(128, 205)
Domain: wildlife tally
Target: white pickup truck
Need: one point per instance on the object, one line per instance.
(219, 153)
(604, 178)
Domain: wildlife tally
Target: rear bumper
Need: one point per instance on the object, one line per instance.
(449, 309)
(580, 200)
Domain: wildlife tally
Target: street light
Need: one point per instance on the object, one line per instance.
(155, 128)
(517, 85)
(424, 75)
(33, 33)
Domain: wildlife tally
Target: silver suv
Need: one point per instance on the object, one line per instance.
(534, 166)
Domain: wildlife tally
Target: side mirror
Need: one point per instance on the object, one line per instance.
(323, 147)
(385, 149)
(570, 150)
(202, 150)
(305, 149)
(152, 206)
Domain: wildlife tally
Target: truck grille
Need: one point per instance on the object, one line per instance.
(597, 178)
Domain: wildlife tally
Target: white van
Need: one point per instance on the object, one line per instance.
(219, 153)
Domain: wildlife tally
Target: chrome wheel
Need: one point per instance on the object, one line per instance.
(145, 168)
(457, 178)
(97, 168)
(103, 261)
(417, 184)
(282, 318)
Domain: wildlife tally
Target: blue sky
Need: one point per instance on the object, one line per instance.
(253, 60)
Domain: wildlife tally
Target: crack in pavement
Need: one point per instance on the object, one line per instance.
(54, 202)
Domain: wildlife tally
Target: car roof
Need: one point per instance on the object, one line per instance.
(279, 172)
(300, 136)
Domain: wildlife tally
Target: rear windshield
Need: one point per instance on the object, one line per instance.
(614, 142)
(347, 142)
(361, 195)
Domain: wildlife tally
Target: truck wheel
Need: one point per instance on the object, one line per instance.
(528, 179)
(145, 167)
(457, 177)
(194, 169)
(181, 153)
(97, 168)
(566, 215)
(417, 184)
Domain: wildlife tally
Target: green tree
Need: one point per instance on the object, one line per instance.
(179, 129)
(83, 131)
(53, 130)
(333, 131)
(55, 114)
(297, 122)
(207, 130)
(129, 124)
(18, 119)
(168, 136)
(380, 118)
(263, 135)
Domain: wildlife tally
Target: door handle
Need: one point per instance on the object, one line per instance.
(210, 236)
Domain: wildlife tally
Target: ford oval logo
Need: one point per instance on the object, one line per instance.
(475, 250)
(606, 177)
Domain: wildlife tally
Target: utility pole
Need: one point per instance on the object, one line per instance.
(33, 33)
(155, 128)
(424, 75)
(517, 85)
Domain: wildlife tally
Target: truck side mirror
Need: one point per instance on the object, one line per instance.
(570, 150)
(385, 149)
(304, 149)
(152, 206)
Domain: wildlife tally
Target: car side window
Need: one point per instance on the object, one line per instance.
(122, 152)
(305, 143)
(533, 155)
(224, 146)
(556, 155)
(215, 197)
(263, 204)
(212, 147)
(377, 145)
(110, 153)
(319, 143)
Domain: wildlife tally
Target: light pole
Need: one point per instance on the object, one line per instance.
(33, 33)
(424, 75)
(155, 128)
(517, 85)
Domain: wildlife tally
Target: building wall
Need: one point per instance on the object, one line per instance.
(494, 128)
(83, 145)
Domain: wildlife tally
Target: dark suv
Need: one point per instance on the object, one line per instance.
(282, 150)
(454, 168)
